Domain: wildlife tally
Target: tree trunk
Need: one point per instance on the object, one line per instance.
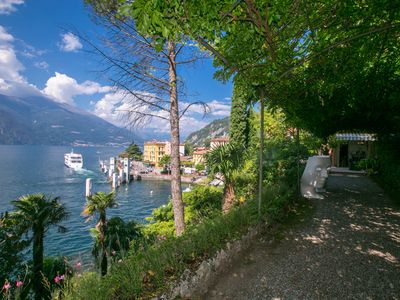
(37, 280)
(176, 189)
(298, 160)
(102, 237)
(229, 197)
(260, 177)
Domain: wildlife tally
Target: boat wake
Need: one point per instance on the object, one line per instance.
(84, 171)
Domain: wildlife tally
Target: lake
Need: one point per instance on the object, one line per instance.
(40, 169)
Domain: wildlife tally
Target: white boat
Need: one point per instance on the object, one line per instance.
(73, 160)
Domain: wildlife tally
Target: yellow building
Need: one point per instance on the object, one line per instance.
(198, 155)
(154, 151)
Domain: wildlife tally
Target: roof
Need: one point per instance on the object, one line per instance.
(201, 152)
(154, 142)
(362, 137)
(221, 139)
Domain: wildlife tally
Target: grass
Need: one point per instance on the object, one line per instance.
(148, 273)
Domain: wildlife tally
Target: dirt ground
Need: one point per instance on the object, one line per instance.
(349, 248)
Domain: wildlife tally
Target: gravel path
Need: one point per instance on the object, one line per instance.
(350, 249)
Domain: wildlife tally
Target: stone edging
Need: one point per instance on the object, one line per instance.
(194, 284)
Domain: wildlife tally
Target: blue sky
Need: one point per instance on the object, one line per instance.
(39, 54)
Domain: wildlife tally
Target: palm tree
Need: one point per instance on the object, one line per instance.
(37, 213)
(226, 159)
(98, 203)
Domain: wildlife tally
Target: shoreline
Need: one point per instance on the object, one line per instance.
(184, 179)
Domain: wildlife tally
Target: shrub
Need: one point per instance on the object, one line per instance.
(145, 274)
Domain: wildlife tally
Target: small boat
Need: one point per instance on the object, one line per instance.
(188, 189)
(73, 160)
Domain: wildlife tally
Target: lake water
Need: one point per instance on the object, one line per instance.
(40, 169)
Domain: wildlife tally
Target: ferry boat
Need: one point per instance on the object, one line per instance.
(73, 160)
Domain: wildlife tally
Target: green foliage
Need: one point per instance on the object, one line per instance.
(226, 159)
(98, 203)
(53, 267)
(36, 213)
(165, 160)
(11, 246)
(331, 65)
(188, 164)
(368, 164)
(239, 119)
(200, 167)
(189, 148)
(201, 202)
(133, 152)
(388, 156)
(147, 273)
(120, 237)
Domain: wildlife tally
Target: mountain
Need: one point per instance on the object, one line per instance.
(40, 120)
(203, 136)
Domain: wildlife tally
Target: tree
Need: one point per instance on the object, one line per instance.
(119, 238)
(143, 63)
(98, 203)
(331, 65)
(200, 167)
(239, 120)
(189, 149)
(226, 159)
(133, 152)
(165, 160)
(37, 213)
(11, 246)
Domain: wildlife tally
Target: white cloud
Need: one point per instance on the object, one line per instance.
(5, 37)
(70, 43)
(7, 6)
(10, 66)
(216, 108)
(63, 88)
(115, 107)
(11, 80)
(29, 51)
(41, 65)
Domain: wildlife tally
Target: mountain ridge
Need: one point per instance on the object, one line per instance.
(40, 120)
(202, 137)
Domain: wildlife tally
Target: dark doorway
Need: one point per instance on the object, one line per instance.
(344, 156)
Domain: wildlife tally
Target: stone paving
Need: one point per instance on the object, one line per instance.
(350, 249)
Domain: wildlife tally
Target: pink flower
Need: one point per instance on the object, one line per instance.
(19, 283)
(58, 278)
(6, 286)
(78, 265)
(113, 253)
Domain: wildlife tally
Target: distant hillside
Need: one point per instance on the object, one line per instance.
(39, 120)
(216, 128)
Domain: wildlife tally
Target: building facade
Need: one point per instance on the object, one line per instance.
(198, 155)
(351, 148)
(155, 150)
